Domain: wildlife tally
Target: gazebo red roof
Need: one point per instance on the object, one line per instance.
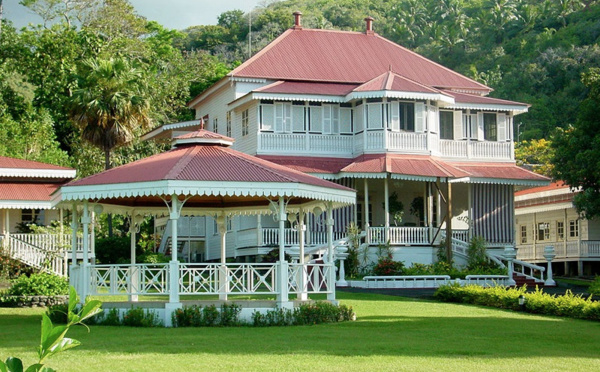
(202, 162)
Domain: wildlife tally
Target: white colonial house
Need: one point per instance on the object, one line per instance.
(545, 216)
(25, 198)
(425, 147)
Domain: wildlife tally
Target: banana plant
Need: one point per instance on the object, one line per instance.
(53, 338)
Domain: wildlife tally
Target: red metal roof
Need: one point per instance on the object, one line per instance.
(6, 162)
(553, 186)
(297, 87)
(473, 98)
(27, 191)
(499, 171)
(413, 165)
(392, 81)
(346, 57)
(205, 134)
(202, 162)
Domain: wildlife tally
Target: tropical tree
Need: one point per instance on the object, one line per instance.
(110, 103)
(577, 150)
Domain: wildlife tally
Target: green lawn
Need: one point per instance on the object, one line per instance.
(391, 334)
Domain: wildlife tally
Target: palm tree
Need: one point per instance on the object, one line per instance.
(110, 103)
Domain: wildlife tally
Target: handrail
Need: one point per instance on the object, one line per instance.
(48, 260)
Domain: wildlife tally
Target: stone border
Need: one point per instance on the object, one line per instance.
(32, 301)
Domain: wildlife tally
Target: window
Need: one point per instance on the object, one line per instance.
(470, 125)
(446, 125)
(560, 230)
(543, 231)
(523, 234)
(228, 124)
(230, 223)
(215, 125)
(490, 127)
(315, 118)
(245, 123)
(574, 228)
(407, 116)
(30, 215)
(375, 115)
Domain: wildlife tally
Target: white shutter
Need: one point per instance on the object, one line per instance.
(374, 116)
(298, 118)
(502, 127)
(268, 116)
(335, 119)
(433, 119)
(287, 117)
(316, 119)
(326, 119)
(395, 116)
(458, 125)
(419, 117)
(479, 126)
(279, 117)
(345, 120)
(360, 118)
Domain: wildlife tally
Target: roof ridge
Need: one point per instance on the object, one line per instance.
(182, 162)
(261, 52)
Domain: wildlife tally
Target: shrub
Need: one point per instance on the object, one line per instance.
(12, 269)
(322, 312)
(230, 315)
(209, 316)
(386, 267)
(595, 286)
(138, 317)
(153, 258)
(41, 284)
(113, 250)
(538, 302)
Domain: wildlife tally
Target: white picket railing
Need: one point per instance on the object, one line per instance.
(399, 235)
(305, 143)
(476, 149)
(310, 278)
(406, 141)
(52, 261)
(568, 249)
(270, 236)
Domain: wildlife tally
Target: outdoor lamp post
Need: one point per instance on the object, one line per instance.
(522, 302)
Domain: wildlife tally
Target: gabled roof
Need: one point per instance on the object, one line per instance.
(346, 57)
(465, 100)
(11, 167)
(392, 81)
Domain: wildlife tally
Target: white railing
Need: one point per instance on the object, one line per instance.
(139, 279)
(476, 149)
(399, 235)
(374, 140)
(50, 241)
(52, 261)
(406, 141)
(406, 281)
(491, 150)
(563, 250)
(453, 149)
(461, 234)
(310, 278)
(270, 236)
(306, 143)
(486, 280)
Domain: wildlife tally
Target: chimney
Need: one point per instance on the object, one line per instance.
(297, 20)
(369, 21)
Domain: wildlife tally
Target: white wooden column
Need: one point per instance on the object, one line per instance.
(330, 261)
(259, 231)
(223, 271)
(174, 263)
(366, 209)
(85, 272)
(302, 293)
(74, 272)
(283, 295)
(6, 228)
(386, 207)
(133, 279)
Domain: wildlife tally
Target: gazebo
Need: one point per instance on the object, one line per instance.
(203, 176)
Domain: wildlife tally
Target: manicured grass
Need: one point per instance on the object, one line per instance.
(391, 334)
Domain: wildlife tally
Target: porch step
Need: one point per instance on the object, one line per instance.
(522, 279)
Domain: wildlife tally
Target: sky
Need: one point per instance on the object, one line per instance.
(177, 14)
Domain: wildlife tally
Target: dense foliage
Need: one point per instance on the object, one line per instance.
(539, 302)
(41, 284)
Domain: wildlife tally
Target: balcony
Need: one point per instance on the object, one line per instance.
(379, 141)
(564, 250)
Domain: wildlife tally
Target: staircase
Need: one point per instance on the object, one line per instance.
(521, 280)
(43, 256)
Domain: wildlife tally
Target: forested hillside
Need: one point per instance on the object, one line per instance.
(532, 51)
